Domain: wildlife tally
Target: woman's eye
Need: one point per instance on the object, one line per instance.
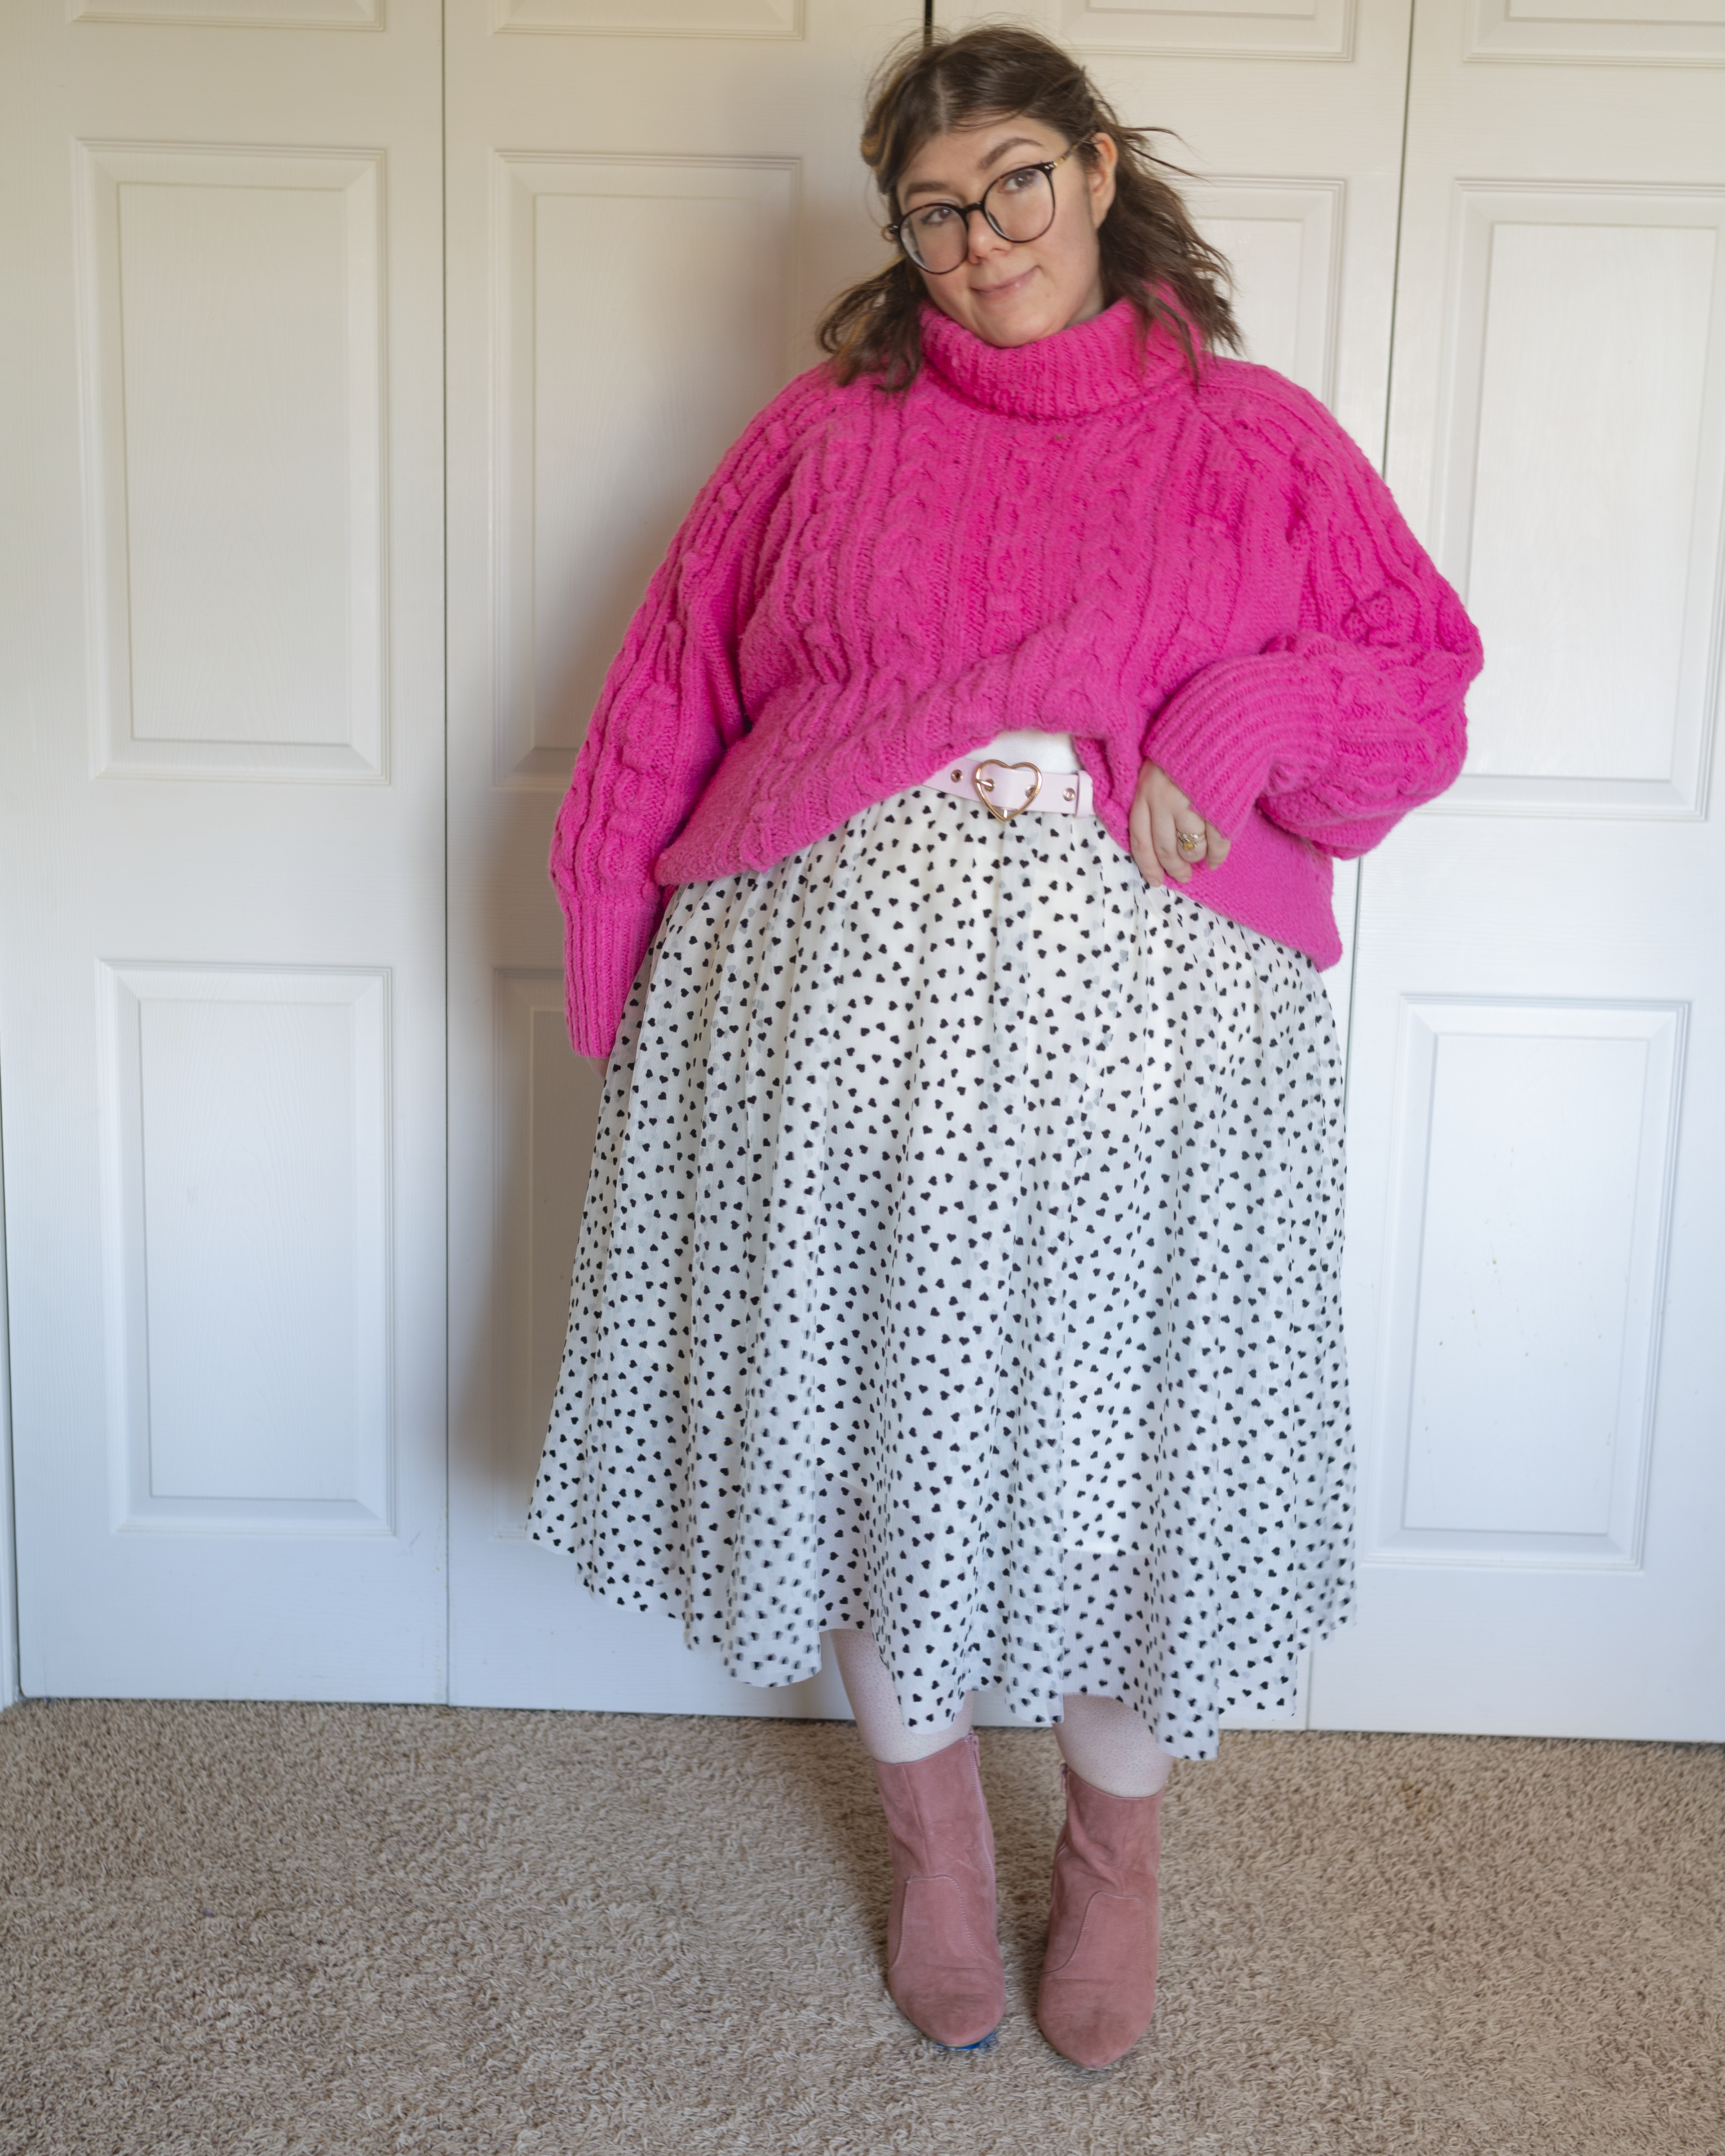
(925, 220)
(1014, 183)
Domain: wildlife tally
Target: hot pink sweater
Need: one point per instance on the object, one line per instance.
(1072, 536)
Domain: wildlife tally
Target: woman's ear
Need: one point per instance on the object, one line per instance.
(1100, 173)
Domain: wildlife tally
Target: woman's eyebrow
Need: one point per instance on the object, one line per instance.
(994, 158)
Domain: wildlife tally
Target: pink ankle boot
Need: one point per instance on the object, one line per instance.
(943, 1958)
(1099, 1973)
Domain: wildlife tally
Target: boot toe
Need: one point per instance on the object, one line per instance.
(1097, 2005)
(961, 2017)
(945, 1979)
(1090, 2031)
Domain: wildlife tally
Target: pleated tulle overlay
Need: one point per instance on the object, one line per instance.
(961, 1257)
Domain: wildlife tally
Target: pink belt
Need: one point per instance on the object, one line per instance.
(1006, 790)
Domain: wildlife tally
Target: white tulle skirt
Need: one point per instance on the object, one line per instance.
(962, 1258)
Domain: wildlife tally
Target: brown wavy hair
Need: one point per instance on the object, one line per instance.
(1151, 249)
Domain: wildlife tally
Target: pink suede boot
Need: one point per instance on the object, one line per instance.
(1099, 1973)
(943, 1958)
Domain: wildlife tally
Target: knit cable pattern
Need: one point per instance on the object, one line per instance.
(1072, 535)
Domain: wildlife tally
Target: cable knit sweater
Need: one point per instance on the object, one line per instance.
(1070, 535)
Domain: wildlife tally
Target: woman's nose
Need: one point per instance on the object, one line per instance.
(984, 239)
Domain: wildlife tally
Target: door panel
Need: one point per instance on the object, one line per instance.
(232, 348)
(643, 228)
(1536, 1169)
(222, 992)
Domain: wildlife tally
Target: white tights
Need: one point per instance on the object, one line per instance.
(1101, 1739)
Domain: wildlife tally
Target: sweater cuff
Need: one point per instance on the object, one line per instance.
(602, 954)
(1220, 737)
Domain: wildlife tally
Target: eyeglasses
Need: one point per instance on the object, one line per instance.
(1019, 206)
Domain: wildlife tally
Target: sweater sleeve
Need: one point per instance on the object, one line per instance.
(669, 708)
(1339, 725)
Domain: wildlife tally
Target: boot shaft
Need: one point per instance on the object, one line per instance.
(1114, 1843)
(935, 1813)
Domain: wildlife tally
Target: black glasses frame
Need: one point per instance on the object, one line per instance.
(1048, 166)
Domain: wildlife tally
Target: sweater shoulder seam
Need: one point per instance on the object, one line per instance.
(1229, 407)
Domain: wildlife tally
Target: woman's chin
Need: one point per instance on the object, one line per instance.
(1026, 317)
(1017, 326)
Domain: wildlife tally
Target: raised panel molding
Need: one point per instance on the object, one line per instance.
(651, 18)
(231, 342)
(1523, 1280)
(602, 434)
(1240, 29)
(235, 14)
(1207, 30)
(546, 1101)
(1577, 314)
(1605, 32)
(1284, 240)
(246, 1201)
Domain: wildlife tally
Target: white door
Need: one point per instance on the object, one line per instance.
(1538, 1157)
(222, 1000)
(646, 208)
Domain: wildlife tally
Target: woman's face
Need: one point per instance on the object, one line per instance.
(1012, 292)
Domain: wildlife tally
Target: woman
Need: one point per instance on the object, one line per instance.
(958, 1274)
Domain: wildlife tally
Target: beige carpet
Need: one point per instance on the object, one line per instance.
(323, 1929)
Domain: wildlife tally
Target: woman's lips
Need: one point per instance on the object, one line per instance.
(1004, 291)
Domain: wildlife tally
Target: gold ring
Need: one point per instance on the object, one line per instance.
(1188, 842)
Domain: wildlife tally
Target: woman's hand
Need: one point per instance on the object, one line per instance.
(1161, 816)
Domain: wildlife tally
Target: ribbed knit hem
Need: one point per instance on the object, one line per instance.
(1271, 881)
(602, 953)
(1219, 737)
(1307, 924)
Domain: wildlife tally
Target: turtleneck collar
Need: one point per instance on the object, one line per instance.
(1067, 376)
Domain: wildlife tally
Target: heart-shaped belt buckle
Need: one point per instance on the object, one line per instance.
(985, 788)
